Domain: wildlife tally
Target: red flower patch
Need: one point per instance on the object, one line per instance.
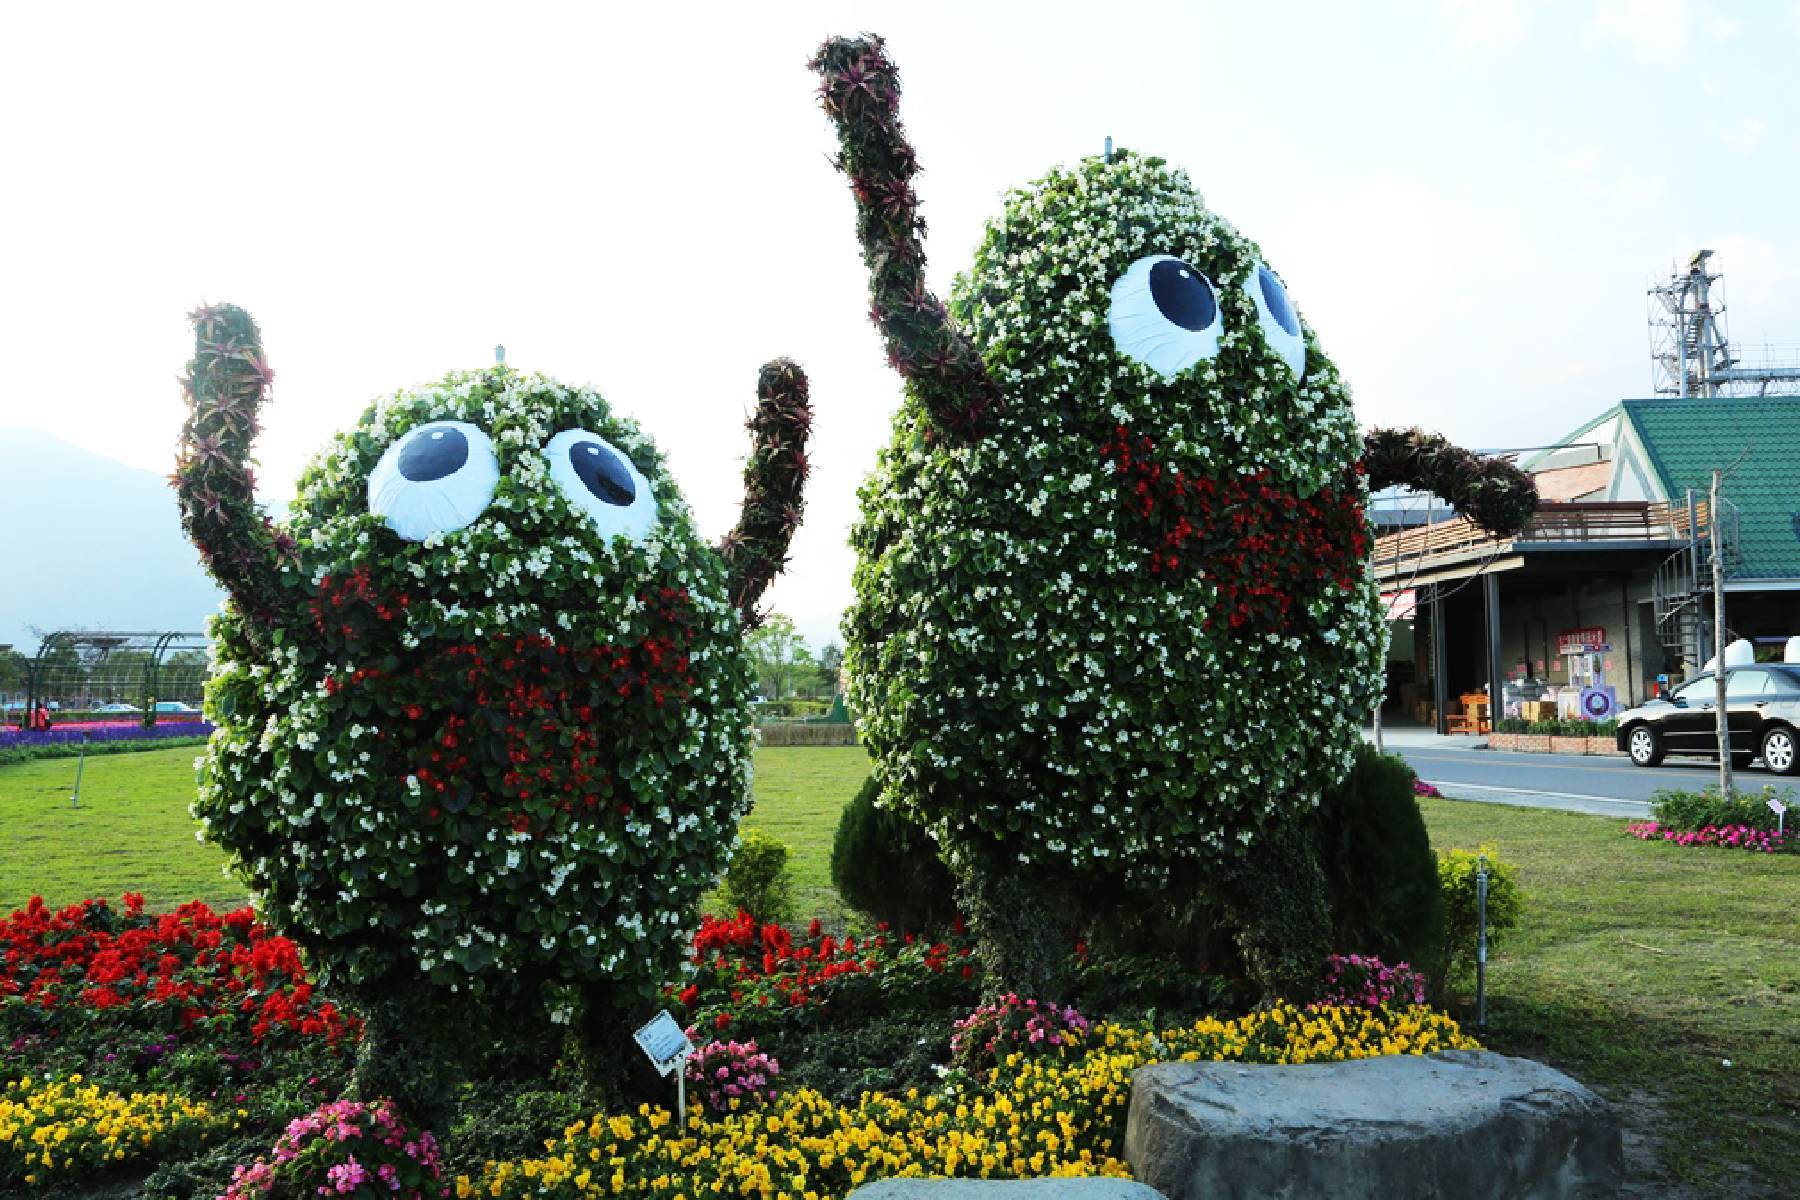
(1265, 549)
(196, 964)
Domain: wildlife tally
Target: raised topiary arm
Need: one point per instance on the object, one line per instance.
(1491, 492)
(226, 383)
(860, 90)
(774, 483)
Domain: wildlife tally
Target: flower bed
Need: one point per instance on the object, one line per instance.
(55, 1130)
(748, 971)
(1030, 1117)
(1736, 837)
(99, 734)
(346, 1148)
(1366, 981)
(168, 972)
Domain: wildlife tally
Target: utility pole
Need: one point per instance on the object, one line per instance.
(1719, 641)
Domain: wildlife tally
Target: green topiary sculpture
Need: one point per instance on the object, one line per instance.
(482, 703)
(1113, 616)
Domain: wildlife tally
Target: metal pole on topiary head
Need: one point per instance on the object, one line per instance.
(1481, 897)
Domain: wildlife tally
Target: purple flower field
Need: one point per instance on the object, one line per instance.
(96, 733)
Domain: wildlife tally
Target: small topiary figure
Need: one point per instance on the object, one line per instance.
(1113, 616)
(482, 702)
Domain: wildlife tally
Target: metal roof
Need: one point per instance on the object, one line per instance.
(1686, 439)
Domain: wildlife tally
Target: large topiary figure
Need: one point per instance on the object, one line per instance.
(482, 701)
(1113, 618)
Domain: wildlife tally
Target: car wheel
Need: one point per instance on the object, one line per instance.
(1644, 747)
(1781, 751)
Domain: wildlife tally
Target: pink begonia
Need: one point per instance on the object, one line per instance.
(346, 1177)
(314, 1148)
(724, 1074)
(1010, 1024)
(1739, 837)
(1357, 980)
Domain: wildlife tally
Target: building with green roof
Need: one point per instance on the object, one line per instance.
(1610, 586)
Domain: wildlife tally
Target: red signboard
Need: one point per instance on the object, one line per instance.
(1577, 641)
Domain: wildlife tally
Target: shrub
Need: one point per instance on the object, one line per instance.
(346, 1147)
(1383, 878)
(1691, 811)
(1559, 727)
(12, 752)
(1456, 873)
(725, 1076)
(1355, 980)
(992, 1033)
(887, 867)
(758, 880)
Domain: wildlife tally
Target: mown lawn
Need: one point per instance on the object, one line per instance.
(133, 833)
(1640, 968)
(1666, 977)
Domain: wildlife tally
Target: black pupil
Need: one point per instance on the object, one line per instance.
(1275, 296)
(602, 473)
(1182, 295)
(433, 454)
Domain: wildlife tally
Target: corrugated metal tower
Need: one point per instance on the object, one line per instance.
(1691, 353)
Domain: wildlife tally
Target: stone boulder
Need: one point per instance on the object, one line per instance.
(1005, 1189)
(1461, 1123)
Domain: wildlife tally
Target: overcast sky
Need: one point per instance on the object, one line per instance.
(1466, 199)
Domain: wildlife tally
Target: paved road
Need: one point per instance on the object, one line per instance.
(1608, 786)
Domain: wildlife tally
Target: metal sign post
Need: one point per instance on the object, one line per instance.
(1780, 811)
(80, 765)
(667, 1047)
(1481, 897)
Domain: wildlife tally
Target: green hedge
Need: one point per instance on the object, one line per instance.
(1559, 728)
(21, 754)
(1686, 811)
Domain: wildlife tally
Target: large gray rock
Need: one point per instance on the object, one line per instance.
(1005, 1189)
(1461, 1123)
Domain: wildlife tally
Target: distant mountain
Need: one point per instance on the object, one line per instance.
(87, 542)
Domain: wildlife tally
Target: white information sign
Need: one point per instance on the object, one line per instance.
(664, 1043)
(1776, 806)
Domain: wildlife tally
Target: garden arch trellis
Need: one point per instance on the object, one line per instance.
(82, 670)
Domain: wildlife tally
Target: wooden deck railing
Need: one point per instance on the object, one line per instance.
(1601, 522)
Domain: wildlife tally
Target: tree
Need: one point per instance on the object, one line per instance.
(780, 656)
(831, 665)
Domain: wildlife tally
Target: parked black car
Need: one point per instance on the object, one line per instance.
(1762, 713)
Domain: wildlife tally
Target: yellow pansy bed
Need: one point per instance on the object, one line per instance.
(52, 1131)
(1037, 1116)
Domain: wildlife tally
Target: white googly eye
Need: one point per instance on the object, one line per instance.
(600, 481)
(1276, 317)
(1165, 315)
(437, 478)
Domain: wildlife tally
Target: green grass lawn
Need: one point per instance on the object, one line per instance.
(133, 833)
(1640, 968)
